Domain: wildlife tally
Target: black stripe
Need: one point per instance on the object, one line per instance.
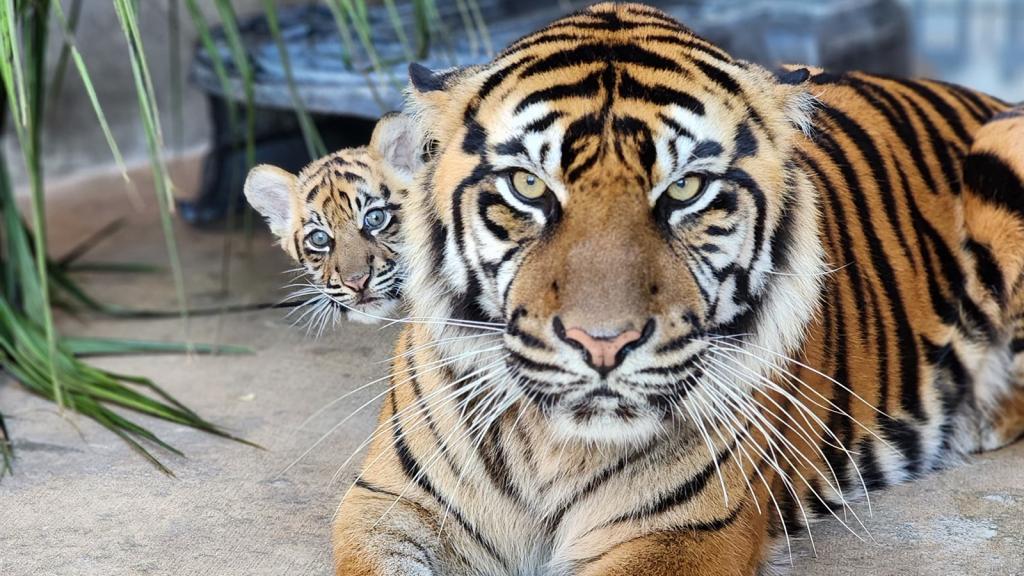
(660, 95)
(870, 472)
(413, 471)
(679, 495)
(909, 370)
(600, 53)
(946, 111)
(687, 43)
(691, 528)
(720, 77)
(905, 438)
(587, 87)
(987, 269)
(989, 177)
(600, 479)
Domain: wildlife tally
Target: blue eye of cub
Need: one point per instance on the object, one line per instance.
(375, 219)
(319, 239)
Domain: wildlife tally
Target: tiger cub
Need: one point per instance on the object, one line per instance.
(339, 219)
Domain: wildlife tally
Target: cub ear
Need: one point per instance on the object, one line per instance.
(269, 190)
(398, 143)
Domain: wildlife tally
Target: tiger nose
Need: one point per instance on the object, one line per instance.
(604, 352)
(357, 282)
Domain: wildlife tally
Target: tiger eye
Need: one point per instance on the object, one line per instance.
(686, 188)
(320, 239)
(528, 185)
(375, 219)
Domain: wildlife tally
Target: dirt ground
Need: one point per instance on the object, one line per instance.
(82, 503)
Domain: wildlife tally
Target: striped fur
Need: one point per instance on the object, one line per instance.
(337, 195)
(840, 309)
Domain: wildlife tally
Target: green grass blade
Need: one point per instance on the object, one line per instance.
(35, 21)
(177, 85)
(229, 23)
(71, 27)
(6, 450)
(481, 25)
(81, 347)
(147, 104)
(345, 11)
(314, 144)
(9, 24)
(83, 73)
(94, 267)
(399, 27)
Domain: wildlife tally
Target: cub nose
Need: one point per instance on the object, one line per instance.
(357, 282)
(604, 353)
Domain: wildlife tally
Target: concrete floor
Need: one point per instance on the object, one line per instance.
(82, 503)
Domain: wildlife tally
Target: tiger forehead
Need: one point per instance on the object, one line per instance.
(613, 81)
(343, 173)
(638, 42)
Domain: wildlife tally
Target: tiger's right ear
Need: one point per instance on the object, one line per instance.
(431, 90)
(269, 190)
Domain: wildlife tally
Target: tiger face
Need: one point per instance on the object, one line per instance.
(339, 218)
(616, 208)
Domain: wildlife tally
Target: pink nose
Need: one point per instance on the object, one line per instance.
(604, 352)
(357, 282)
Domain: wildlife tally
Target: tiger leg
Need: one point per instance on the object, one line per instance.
(994, 222)
(377, 535)
(1007, 424)
(736, 547)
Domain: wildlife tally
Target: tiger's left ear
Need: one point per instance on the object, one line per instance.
(397, 142)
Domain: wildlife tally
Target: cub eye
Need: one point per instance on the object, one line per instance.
(375, 219)
(319, 240)
(687, 188)
(528, 185)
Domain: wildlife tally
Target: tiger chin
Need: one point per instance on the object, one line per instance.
(678, 307)
(339, 219)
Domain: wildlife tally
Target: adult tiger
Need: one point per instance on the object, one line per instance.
(725, 300)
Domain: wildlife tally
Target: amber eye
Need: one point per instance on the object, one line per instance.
(528, 185)
(687, 188)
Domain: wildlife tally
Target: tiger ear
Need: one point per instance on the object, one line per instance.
(431, 91)
(398, 143)
(799, 104)
(269, 190)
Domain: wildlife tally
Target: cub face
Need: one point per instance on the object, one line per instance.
(340, 219)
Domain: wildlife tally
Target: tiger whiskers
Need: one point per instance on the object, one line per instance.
(754, 412)
(434, 344)
(456, 435)
(726, 403)
(773, 464)
(434, 364)
(483, 431)
(712, 452)
(496, 327)
(424, 403)
(352, 414)
(803, 411)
